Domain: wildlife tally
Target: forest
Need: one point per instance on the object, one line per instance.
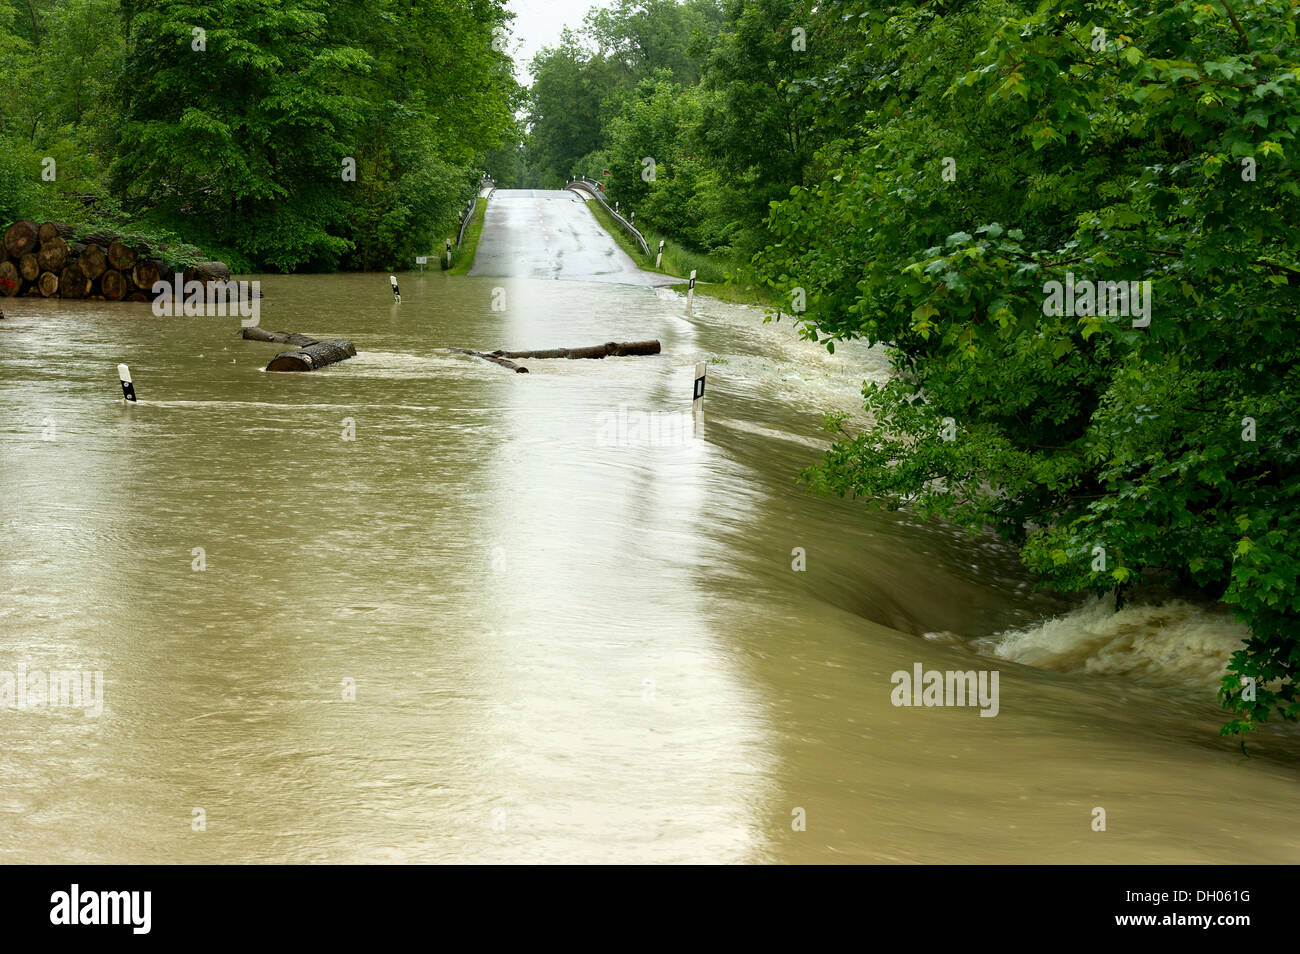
(281, 136)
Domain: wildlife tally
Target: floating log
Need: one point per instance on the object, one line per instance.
(279, 337)
(313, 356)
(612, 348)
(29, 267)
(53, 254)
(11, 280)
(20, 238)
(48, 284)
(495, 359)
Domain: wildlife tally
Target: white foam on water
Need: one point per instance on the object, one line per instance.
(1173, 641)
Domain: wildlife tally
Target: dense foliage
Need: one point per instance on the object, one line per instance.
(1115, 143)
(283, 133)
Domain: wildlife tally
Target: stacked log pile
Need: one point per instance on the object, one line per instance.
(52, 261)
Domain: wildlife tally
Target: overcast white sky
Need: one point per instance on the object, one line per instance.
(538, 23)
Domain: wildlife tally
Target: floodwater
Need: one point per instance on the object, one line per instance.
(416, 608)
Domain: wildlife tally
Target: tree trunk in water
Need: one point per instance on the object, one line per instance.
(495, 359)
(615, 348)
(48, 283)
(313, 356)
(113, 285)
(137, 296)
(29, 267)
(20, 238)
(279, 337)
(53, 254)
(146, 274)
(93, 262)
(11, 281)
(120, 256)
(73, 283)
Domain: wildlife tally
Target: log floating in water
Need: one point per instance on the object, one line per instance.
(313, 356)
(495, 359)
(280, 337)
(612, 348)
(616, 348)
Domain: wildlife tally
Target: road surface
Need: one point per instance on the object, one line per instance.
(541, 233)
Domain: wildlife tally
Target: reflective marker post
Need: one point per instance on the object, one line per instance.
(690, 290)
(397, 292)
(660, 258)
(128, 389)
(701, 373)
(449, 253)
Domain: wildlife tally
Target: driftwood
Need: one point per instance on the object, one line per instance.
(313, 356)
(495, 359)
(612, 348)
(279, 337)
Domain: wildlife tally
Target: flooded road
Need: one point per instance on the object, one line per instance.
(416, 608)
(539, 233)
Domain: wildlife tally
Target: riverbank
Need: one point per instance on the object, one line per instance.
(462, 258)
(713, 273)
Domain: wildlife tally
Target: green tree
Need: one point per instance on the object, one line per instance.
(1111, 142)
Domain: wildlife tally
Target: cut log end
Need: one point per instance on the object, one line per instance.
(314, 356)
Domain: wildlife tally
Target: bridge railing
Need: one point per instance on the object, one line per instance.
(592, 186)
(467, 213)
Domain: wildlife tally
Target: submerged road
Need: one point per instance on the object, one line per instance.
(541, 233)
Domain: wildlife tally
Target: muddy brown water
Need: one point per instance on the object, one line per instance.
(571, 622)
